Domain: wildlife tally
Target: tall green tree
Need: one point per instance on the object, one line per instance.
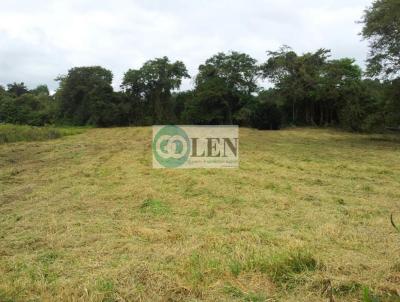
(298, 79)
(149, 89)
(210, 103)
(382, 29)
(339, 80)
(392, 103)
(17, 89)
(181, 100)
(319, 91)
(85, 96)
(266, 112)
(41, 90)
(224, 85)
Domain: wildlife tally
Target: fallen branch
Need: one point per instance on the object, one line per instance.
(393, 224)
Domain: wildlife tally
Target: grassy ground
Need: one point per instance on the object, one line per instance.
(305, 218)
(15, 133)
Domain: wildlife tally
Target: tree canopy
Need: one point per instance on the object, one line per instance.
(224, 85)
(85, 95)
(310, 89)
(382, 29)
(150, 87)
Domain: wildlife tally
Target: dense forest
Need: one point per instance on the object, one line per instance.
(309, 89)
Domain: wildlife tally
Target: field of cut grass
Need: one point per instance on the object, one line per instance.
(305, 218)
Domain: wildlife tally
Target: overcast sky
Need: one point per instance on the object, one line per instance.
(41, 39)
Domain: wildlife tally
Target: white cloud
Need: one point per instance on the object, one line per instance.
(41, 39)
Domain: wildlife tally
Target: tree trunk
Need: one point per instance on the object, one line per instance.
(321, 115)
(293, 112)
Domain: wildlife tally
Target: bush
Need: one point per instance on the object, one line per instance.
(15, 133)
(27, 109)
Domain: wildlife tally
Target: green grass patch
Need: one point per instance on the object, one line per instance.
(154, 206)
(106, 288)
(48, 258)
(347, 288)
(283, 268)
(369, 296)
(237, 293)
(16, 133)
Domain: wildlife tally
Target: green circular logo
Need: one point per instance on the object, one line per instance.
(171, 146)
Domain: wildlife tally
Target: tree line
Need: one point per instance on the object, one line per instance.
(309, 89)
